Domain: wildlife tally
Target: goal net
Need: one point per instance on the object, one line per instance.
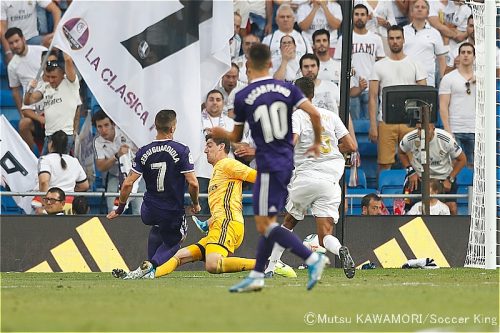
(482, 250)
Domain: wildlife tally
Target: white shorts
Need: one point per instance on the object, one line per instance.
(322, 196)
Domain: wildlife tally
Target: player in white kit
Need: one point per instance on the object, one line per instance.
(315, 183)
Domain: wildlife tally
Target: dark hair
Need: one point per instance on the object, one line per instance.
(360, 5)
(165, 120)
(365, 201)
(233, 65)
(309, 56)
(293, 39)
(471, 17)
(51, 52)
(467, 44)
(214, 91)
(321, 32)
(60, 145)
(395, 28)
(218, 141)
(306, 85)
(260, 56)
(60, 193)
(80, 205)
(13, 31)
(100, 115)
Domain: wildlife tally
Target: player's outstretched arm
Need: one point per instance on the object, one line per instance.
(193, 190)
(221, 133)
(124, 194)
(307, 107)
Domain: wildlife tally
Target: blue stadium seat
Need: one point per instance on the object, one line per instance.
(361, 126)
(391, 179)
(6, 99)
(464, 180)
(465, 177)
(8, 205)
(361, 178)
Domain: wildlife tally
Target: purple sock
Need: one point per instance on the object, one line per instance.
(163, 253)
(264, 249)
(289, 240)
(154, 241)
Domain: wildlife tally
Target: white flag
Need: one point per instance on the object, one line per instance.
(19, 164)
(84, 148)
(139, 57)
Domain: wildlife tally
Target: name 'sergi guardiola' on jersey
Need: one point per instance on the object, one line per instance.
(267, 106)
(163, 163)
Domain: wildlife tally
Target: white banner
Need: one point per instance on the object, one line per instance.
(84, 148)
(139, 57)
(19, 164)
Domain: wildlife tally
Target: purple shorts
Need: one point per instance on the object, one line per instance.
(270, 192)
(172, 225)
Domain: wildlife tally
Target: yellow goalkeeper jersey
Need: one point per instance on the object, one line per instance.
(225, 189)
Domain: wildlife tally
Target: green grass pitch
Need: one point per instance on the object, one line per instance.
(375, 300)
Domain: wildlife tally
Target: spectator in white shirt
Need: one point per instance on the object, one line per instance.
(288, 69)
(329, 68)
(437, 207)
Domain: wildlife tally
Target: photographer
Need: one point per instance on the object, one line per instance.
(445, 159)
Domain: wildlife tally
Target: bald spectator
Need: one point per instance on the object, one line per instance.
(285, 18)
(229, 86)
(241, 61)
(371, 204)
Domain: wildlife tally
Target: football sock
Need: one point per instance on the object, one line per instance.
(163, 253)
(234, 264)
(275, 256)
(264, 249)
(332, 244)
(312, 258)
(289, 240)
(168, 267)
(256, 275)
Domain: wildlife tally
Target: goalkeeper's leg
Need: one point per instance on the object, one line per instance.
(217, 261)
(187, 254)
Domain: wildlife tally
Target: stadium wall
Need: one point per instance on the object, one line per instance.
(95, 244)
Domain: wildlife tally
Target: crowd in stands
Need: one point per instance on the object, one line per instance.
(394, 42)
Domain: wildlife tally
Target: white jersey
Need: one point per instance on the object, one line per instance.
(104, 149)
(330, 164)
(23, 69)
(443, 149)
(424, 46)
(365, 51)
(65, 179)
(396, 73)
(292, 72)
(22, 15)
(60, 105)
(302, 46)
(384, 10)
(439, 208)
(319, 21)
(327, 96)
(241, 62)
(330, 71)
(202, 168)
(462, 107)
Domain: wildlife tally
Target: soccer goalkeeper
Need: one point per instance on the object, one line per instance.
(226, 229)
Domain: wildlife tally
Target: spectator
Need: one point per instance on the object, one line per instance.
(456, 15)
(57, 169)
(385, 19)
(367, 48)
(329, 68)
(228, 87)
(235, 41)
(436, 206)
(457, 101)
(80, 206)
(453, 56)
(423, 43)
(288, 68)
(22, 68)
(401, 9)
(241, 61)
(211, 116)
(54, 201)
(437, 20)
(396, 69)
(252, 12)
(326, 93)
(285, 19)
(60, 96)
(371, 204)
(319, 14)
(446, 159)
(110, 144)
(22, 15)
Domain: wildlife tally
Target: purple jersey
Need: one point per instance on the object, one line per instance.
(163, 163)
(267, 105)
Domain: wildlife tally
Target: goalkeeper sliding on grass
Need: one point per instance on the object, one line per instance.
(226, 229)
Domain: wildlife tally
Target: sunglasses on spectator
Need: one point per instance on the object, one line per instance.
(467, 85)
(51, 200)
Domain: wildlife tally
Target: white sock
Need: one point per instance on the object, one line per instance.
(332, 244)
(275, 256)
(255, 274)
(312, 259)
(270, 228)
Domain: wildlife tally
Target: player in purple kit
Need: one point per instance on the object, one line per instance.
(267, 105)
(165, 165)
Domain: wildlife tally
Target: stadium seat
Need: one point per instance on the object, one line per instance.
(465, 177)
(361, 126)
(6, 99)
(391, 179)
(361, 178)
(464, 181)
